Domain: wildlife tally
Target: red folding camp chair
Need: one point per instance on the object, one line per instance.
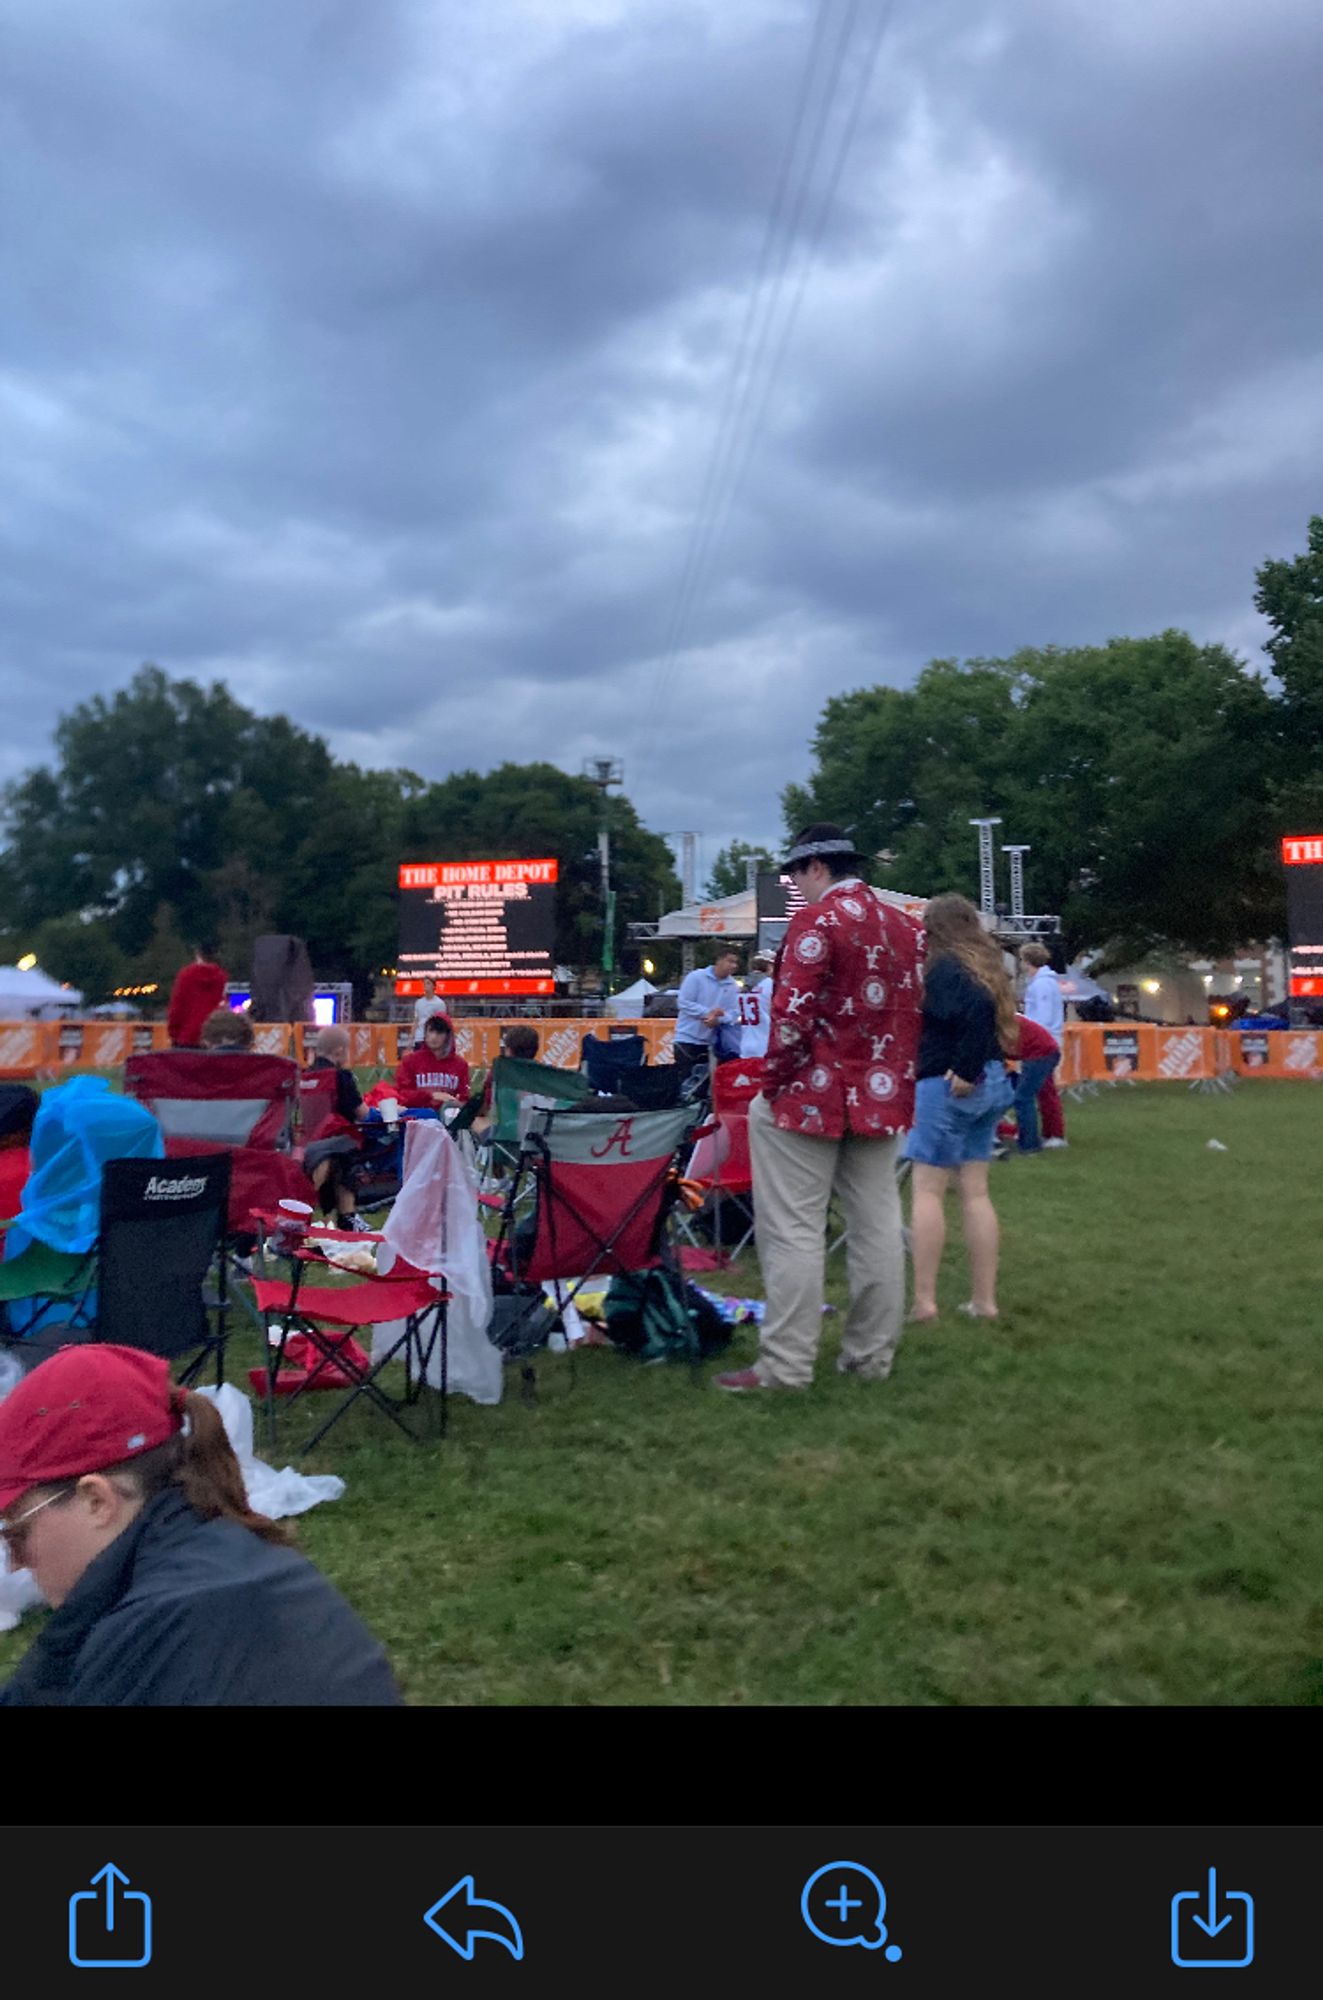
(604, 1183)
(374, 1152)
(230, 1102)
(720, 1172)
(316, 1098)
(316, 1324)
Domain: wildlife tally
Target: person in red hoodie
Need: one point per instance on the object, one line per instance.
(1039, 1056)
(199, 989)
(433, 1075)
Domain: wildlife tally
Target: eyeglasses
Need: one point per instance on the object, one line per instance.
(14, 1533)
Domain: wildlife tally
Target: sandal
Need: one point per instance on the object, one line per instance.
(921, 1319)
(971, 1311)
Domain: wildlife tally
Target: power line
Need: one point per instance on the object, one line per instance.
(742, 419)
(741, 384)
(740, 428)
(740, 357)
(851, 126)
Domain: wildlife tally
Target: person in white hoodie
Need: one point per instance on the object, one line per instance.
(1043, 1003)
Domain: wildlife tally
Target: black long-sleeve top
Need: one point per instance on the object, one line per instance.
(959, 1023)
(348, 1096)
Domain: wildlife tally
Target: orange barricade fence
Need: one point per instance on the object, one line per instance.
(50, 1047)
(1071, 1070)
(1292, 1052)
(1110, 1053)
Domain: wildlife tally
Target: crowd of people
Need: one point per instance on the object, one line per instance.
(881, 1039)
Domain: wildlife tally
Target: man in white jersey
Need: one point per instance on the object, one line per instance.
(756, 1009)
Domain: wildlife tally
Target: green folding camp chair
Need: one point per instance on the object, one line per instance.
(516, 1086)
(58, 1283)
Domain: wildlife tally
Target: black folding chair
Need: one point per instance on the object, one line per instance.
(609, 1065)
(650, 1089)
(163, 1229)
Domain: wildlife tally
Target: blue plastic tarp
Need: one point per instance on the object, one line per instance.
(79, 1126)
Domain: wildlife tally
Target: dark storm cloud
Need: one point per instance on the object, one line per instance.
(380, 350)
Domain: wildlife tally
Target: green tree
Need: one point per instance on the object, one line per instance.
(1139, 773)
(1290, 596)
(172, 815)
(729, 875)
(157, 795)
(82, 954)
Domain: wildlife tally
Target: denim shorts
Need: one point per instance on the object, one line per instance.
(954, 1131)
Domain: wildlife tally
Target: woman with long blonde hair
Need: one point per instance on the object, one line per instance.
(962, 1089)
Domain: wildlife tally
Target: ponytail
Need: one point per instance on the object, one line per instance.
(210, 1477)
(200, 1461)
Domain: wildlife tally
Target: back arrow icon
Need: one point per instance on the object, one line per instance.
(514, 1942)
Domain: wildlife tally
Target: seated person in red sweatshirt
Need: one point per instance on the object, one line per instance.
(198, 991)
(433, 1075)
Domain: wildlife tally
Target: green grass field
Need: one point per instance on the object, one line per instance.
(1110, 1497)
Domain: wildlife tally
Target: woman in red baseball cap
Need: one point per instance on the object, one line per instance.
(121, 1493)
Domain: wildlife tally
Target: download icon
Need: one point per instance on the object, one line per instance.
(1212, 1931)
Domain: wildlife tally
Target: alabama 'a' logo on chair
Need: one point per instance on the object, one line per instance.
(619, 1141)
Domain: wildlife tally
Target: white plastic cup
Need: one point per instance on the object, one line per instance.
(390, 1110)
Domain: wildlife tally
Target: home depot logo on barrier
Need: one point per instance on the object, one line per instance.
(1301, 1053)
(1182, 1055)
(561, 1050)
(111, 1046)
(19, 1047)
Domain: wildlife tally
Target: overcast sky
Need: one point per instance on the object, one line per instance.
(370, 354)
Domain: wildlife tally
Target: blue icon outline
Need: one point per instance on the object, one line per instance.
(110, 1875)
(869, 1943)
(472, 1901)
(1212, 1927)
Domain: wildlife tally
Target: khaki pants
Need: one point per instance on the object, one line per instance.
(793, 1181)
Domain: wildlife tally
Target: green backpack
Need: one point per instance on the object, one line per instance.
(655, 1316)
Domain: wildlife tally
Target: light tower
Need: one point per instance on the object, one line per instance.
(688, 887)
(605, 772)
(1017, 855)
(987, 885)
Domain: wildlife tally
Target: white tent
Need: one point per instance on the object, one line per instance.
(23, 993)
(1076, 985)
(736, 917)
(730, 916)
(629, 1004)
